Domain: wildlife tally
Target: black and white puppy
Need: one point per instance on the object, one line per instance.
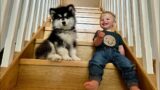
(61, 44)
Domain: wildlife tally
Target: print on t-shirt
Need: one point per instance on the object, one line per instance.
(109, 40)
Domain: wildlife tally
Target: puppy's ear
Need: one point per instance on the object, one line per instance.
(71, 8)
(52, 11)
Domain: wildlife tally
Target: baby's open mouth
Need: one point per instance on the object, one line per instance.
(105, 24)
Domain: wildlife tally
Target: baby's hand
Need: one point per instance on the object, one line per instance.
(100, 34)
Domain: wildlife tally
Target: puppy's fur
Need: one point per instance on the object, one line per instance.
(61, 44)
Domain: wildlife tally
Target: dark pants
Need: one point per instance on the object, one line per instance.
(103, 56)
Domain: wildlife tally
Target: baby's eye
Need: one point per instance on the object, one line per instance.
(101, 19)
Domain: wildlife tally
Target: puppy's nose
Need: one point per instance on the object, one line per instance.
(64, 23)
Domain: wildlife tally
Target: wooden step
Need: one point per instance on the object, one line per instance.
(2, 70)
(88, 15)
(65, 75)
(88, 10)
(84, 55)
(88, 27)
(81, 25)
(94, 21)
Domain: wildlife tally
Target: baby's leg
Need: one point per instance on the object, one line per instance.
(128, 71)
(96, 66)
(91, 85)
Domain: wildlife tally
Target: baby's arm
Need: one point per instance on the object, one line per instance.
(98, 40)
(121, 50)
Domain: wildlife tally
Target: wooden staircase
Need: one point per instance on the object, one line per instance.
(27, 73)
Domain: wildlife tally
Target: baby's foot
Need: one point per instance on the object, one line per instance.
(135, 87)
(91, 85)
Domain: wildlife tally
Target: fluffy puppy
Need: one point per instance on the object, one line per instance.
(61, 44)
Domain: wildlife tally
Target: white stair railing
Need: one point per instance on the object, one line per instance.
(19, 20)
(31, 16)
(21, 28)
(118, 15)
(11, 36)
(147, 50)
(129, 23)
(136, 28)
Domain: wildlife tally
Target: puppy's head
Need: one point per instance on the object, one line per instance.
(63, 17)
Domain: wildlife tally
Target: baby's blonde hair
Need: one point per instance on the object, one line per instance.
(114, 16)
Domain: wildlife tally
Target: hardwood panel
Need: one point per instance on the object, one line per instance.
(57, 78)
(85, 52)
(88, 11)
(62, 63)
(88, 27)
(84, 20)
(9, 78)
(91, 26)
(2, 70)
(90, 8)
(48, 26)
(86, 37)
(89, 15)
(82, 3)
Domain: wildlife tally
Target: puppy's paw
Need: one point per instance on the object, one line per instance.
(76, 58)
(67, 58)
(55, 57)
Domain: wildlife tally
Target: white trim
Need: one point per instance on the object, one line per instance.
(119, 15)
(30, 21)
(129, 23)
(54, 3)
(136, 29)
(21, 29)
(46, 9)
(111, 5)
(10, 40)
(38, 5)
(103, 5)
(148, 63)
(42, 11)
(4, 23)
(155, 9)
(115, 7)
(49, 6)
(123, 19)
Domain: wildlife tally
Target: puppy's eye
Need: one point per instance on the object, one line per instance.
(60, 15)
(65, 14)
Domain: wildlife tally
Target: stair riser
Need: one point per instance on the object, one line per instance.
(83, 52)
(63, 78)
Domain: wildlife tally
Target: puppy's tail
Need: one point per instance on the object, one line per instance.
(42, 50)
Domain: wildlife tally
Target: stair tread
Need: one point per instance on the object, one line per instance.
(91, 8)
(82, 23)
(89, 15)
(63, 63)
(84, 43)
(88, 27)
(2, 70)
(88, 10)
(88, 20)
(55, 77)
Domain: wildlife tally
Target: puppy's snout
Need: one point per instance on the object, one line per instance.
(64, 23)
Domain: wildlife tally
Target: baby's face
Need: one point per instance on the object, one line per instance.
(106, 21)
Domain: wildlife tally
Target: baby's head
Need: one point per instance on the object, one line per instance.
(107, 20)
